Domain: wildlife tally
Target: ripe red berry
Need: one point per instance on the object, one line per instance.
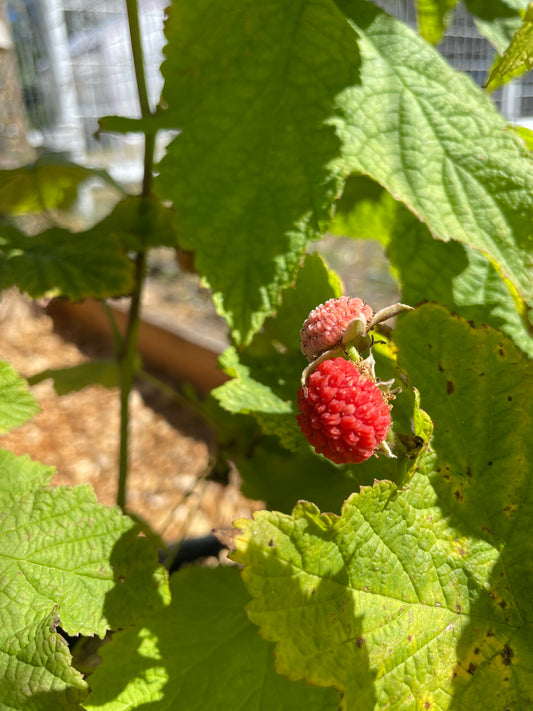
(343, 414)
(326, 325)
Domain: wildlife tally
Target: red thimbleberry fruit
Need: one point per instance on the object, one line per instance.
(343, 414)
(325, 326)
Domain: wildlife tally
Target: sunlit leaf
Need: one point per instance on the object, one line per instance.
(17, 404)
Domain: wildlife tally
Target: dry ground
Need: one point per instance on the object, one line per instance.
(78, 433)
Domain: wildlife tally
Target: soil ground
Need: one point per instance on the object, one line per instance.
(78, 433)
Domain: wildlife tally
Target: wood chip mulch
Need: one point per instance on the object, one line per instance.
(78, 434)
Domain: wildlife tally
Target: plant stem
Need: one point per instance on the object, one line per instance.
(127, 367)
(127, 353)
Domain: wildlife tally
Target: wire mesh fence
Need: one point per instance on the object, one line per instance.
(76, 66)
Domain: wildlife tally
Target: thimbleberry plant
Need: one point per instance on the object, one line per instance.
(367, 582)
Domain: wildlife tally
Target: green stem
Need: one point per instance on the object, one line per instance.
(137, 52)
(127, 360)
(127, 353)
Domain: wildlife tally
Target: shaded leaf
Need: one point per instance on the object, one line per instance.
(17, 404)
(365, 211)
(497, 20)
(102, 372)
(251, 173)
(456, 276)
(199, 653)
(246, 395)
(518, 57)
(48, 183)
(127, 124)
(266, 378)
(141, 222)
(59, 262)
(315, 283)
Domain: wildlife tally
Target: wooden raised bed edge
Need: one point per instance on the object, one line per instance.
(179, 353)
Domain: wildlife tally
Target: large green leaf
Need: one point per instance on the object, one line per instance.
(250, 173)
(17, 404)
(199, 653)
(476, 386)
(364, 601)
(458, 277)
(417, 597)
(59, 262)
(518, 57)
(454, 275)
(64, 559)
(437, 143)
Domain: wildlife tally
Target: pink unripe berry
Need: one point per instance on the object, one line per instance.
(325, 327)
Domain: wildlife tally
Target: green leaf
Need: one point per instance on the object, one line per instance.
(476, 387)
(497, 20)
(246, 395)
(436, 143)
(59, 547)
(456, 276)
(365, 211)
(433, 17)
(385, 585)
(315, 283)
(64, 560)
(281, 478)
(66, 380)
(17, 404)
(417, 597)
(35, 664)
(199, 653)
(526, 135)
(251, 173)
(59, 262)
(46, 184)
(141, 222)
(518, 57)
(384, 601)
